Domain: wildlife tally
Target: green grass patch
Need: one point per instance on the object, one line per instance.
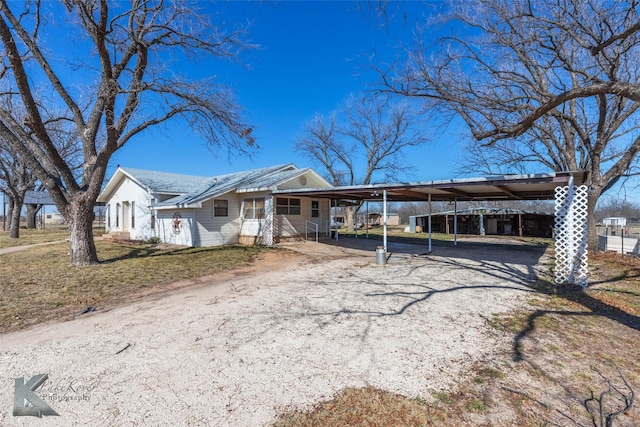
(398, 234)
(476, 405)
(442, 397)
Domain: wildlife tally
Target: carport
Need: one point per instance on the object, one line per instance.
(566, 188)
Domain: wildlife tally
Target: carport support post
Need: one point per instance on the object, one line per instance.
(335, 212)
(520, 224)
(455, 222)
(384, 214)
(366, 221)
(429, 223)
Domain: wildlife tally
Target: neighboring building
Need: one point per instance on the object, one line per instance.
(615, 221)
(482, 221)
(240, 207)
(376, 218)
(53, 218)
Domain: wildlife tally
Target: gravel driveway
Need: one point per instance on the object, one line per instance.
(297, 329)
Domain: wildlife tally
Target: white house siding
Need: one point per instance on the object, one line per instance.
(215, 231)
(310, 181)
(256, 231)
(287, 226)
(126, 193)
(180, 235)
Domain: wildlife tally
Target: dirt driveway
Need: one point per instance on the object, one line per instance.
(294, 330)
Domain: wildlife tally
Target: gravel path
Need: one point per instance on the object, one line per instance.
(241, 349)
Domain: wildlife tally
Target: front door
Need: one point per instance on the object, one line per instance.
(315, 211)
(125, 216)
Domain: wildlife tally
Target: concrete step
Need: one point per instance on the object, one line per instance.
(116, 235)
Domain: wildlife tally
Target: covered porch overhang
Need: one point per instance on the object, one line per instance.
(500, 187)
(490, 188)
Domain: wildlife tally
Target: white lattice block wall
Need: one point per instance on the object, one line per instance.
(571, 235)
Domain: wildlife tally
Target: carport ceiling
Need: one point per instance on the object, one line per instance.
(501, 187)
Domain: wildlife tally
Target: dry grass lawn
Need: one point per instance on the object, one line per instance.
(39, 285)
(30, 237)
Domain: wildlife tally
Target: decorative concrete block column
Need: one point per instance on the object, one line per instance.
(571, 235)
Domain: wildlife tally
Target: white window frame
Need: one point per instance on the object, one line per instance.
(250, 209)
(285, 207)
(226, 208)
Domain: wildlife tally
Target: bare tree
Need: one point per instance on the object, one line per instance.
(617, 207)
(115, 82)
(555, 84)
(408, 209)
(15, 180)
(367, 144)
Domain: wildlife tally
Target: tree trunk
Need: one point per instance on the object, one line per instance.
(14, 230)
(592, 232)
(82, 248)
(32, 212)
(9, 215)
(349, 214)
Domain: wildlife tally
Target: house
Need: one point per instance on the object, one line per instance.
(53, 218)
(240, 207)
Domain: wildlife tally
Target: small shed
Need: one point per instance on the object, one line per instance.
(615, 221)
(487, 221)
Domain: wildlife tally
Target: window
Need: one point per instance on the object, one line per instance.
(133, 214)
(108, 215)
(117, 214)
(220, 208)
(153, 221)
(287, 206)
(315, 209)
(254, 208)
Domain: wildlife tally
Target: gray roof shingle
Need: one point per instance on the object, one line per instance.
(194, 189)
(164, 182)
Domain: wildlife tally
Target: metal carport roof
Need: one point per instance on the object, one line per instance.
(494, 187)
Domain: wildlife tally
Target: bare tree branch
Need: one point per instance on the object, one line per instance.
(532, 89)
(126, 86)
(367, 144)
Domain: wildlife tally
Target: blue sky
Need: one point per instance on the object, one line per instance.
(312, 56)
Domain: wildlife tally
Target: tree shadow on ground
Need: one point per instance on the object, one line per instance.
(580, 296)
(146, 252)
(493, 267)
(617, 395)
(496, 268)
(151, 251)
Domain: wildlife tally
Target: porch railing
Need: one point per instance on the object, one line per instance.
(310, 227)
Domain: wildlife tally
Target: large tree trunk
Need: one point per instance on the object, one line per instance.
(592, 232)
(32, 212)
(82, 248)
(349, 215)
(9, 215)
(14, 230)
